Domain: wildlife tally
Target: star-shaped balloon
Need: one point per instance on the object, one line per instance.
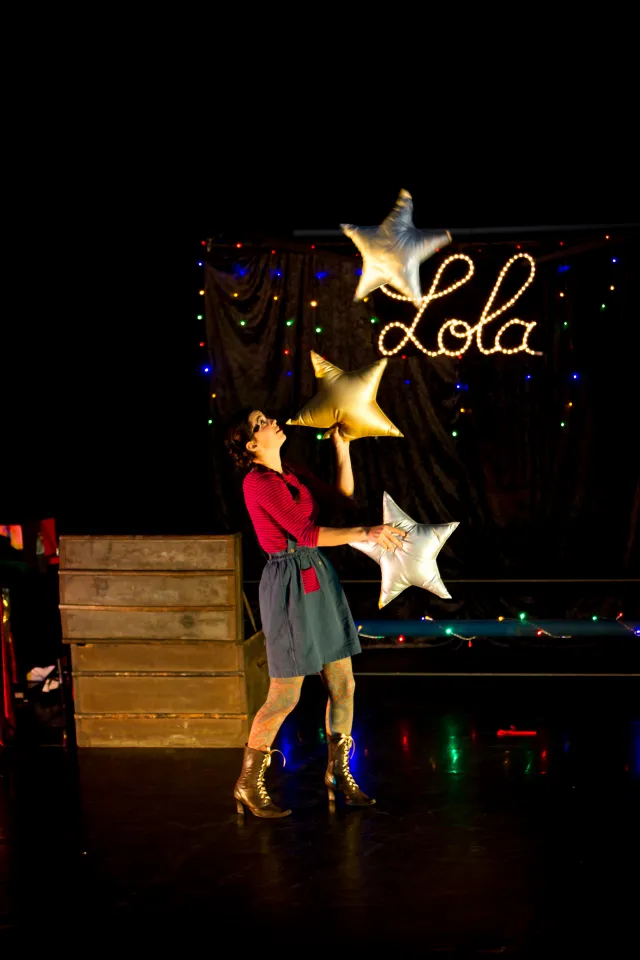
(392, 253)
(413, 564)
(348, 399)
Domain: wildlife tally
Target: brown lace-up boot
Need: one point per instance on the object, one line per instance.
(250, 790)
(338, 775)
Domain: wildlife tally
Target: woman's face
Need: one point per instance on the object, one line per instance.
(267, 435)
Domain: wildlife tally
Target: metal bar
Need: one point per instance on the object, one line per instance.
(395, 673)
(535, 580)
(473, 231)
(470, 629)
(249, 612)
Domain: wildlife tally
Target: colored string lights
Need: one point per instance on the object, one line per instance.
(564, 295)
(460, 329)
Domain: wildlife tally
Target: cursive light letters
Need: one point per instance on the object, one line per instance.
(460, 329)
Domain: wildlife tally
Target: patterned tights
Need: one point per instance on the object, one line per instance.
(284, 693)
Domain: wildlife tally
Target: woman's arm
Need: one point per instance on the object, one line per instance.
(275, 497)
(336, 536)
(344, 471)
(389, 538)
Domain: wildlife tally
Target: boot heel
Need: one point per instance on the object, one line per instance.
(331, 795)
(240, 808)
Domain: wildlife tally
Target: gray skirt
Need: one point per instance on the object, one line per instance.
(304, 627)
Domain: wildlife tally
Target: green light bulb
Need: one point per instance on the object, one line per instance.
(522, 616)
(594, 617)
(603, 306)
(454, 433)
(562, 423)
(209, 421)
(374, 319)
(243, 323)
(318, 436)
(449, 630)
(318, 329)
(289, 323)
(565, 324)
(199, 317)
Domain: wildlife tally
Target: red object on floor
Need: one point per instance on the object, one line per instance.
(49, 540)
(512, 732)
(7, 676)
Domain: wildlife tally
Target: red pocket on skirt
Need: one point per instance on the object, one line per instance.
(310, 581)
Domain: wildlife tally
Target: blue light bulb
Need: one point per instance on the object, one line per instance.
(528, 376)
(207, 369)
(575, 376)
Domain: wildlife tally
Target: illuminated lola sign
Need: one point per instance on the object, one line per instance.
(460, 329)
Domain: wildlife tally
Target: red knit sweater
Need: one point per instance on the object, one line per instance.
(276, 513)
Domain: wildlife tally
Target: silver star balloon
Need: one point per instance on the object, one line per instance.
(392, 253)
(413, 564)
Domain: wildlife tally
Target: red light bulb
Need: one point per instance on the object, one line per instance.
(400, 639)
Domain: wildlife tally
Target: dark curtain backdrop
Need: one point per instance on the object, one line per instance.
(534, 499)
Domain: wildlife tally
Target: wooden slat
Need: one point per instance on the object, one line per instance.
(149, 553)
(149, 694)
(192, 656)
(175, 732)
(148, 589)
(150, 623)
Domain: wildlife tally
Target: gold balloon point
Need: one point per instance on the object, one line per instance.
(347, 399)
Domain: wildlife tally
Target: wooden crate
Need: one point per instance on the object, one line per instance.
(155, 628)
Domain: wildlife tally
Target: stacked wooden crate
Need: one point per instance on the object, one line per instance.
(156, 631)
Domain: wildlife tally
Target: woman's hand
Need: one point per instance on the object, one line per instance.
(340, 443)
(389, 538)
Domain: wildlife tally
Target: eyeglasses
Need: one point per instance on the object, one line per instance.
(259, 424)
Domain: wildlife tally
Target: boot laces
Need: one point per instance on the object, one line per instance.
(347, 753)
(260, 784)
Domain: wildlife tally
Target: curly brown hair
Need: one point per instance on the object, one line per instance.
(238, 436)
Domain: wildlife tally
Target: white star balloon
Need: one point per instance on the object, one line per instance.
(413, 564)
(392, 253)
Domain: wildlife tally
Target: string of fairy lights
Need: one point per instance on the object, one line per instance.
(528, 628)
(457, 329)
(275, 271)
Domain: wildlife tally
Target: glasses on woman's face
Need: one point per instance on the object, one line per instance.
(260, 423)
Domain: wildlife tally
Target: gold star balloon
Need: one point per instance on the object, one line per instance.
(392, 253)
(414, 563)
(348, 399)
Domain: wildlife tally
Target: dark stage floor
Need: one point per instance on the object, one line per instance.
(479, 845)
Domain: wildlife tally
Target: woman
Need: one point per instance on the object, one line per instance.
(305, 616)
